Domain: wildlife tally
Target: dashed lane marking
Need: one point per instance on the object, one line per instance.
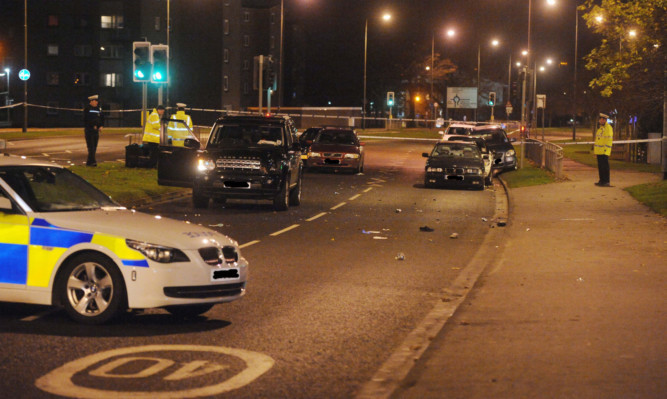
(247, 244)
(319, 215)
(294, 226)
(338, 206)
(368, 189)
(354, 197)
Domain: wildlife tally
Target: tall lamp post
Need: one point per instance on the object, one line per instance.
(494, 43)
(574, 84)
(385, 17)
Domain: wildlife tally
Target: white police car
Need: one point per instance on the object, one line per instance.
(64, 242)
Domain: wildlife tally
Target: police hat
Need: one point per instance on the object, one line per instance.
(604, 115)
(180, 105)
(93, 97)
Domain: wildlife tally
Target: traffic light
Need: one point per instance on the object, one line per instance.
(390, 98)
(160, 61)
(492, 98)
(270, 81)
(141, 61)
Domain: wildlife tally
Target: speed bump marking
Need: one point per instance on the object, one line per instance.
(106, 364)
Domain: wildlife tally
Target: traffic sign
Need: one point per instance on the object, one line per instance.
(24, 74)
(509, 108)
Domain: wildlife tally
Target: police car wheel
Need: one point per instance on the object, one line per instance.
(91, 289)
(185, 311)
(295, 193)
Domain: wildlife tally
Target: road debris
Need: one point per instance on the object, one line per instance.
(370, 232)
(399, 210)
(379, 238)
(454, 235)
(426, 229)
(400, 256)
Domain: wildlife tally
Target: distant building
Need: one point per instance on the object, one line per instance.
(80, 47)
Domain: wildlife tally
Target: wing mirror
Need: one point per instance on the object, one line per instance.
(425, 154)
(192, 143)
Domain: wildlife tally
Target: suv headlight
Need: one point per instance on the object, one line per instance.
(158, 253)
(314, 155)
(510, 153)
(352, 156)
(205, 165)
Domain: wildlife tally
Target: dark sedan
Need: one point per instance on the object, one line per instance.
(336, 149)
(454, 164)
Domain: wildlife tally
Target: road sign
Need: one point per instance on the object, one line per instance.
(541, 100)
(509, 108)
(24, 74)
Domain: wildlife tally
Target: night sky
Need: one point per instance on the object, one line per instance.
(335, 39)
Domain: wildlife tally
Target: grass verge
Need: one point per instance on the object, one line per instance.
(529, 175)
(653, 195)
(582, 153)
(125, 185)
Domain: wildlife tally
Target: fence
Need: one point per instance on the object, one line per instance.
(547, 155)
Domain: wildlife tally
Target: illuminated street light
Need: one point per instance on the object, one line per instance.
(524, 52)
(518, 63)
(385, 17)
(495, 42)
(451, 32)
(599, 19)
(632, 33)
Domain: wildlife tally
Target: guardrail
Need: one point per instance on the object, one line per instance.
(547, 155)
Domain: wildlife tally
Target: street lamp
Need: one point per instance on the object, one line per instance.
(385, 17)
(494, 43)
(432, 104)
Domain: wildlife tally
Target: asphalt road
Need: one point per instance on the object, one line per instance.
(327, 302)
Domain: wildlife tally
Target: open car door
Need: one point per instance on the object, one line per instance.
(177, 154)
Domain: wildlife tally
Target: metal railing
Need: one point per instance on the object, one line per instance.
(546, 155)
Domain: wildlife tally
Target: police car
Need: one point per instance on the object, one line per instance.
(63, 242)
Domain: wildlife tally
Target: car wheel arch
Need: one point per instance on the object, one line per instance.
(59, 272)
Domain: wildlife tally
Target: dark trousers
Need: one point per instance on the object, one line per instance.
(92, 137)
(603, 168)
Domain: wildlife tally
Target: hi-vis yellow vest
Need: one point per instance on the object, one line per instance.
(152, 128)
(177, 132)
(603, 140)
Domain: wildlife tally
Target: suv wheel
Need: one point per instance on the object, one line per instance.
(281, 200)
(295, 193)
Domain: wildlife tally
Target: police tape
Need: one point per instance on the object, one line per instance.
(592, 142)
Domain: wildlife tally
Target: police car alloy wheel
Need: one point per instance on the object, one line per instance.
(91, 289)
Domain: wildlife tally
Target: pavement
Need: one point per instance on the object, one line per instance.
(573, 305)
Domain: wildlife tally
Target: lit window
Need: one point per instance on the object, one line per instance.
(225, 83)
(52, 49)
(226, 55)
(111, 80)
(112, 22)
(225, 27)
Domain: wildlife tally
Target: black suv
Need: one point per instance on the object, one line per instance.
(246, 157)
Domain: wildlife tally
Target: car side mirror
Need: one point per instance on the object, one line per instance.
(5, 204)
(192, 143)
(425, 154)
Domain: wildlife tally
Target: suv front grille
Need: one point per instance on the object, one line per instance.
(238, 164)
(458, 171)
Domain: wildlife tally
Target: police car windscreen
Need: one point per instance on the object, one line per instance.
(245, 135)
(47, 189)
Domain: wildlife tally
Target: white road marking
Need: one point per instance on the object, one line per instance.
(60, 381)
(319, 215)
(368, 189)
(294, 226)
(338, 206)
(45, 154)
(247, 244)
(354, 197)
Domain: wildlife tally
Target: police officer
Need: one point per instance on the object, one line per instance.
(178, 132)
(602, 149)
(152, 127)
(93, 121)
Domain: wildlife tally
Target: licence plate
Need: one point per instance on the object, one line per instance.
(225, 274)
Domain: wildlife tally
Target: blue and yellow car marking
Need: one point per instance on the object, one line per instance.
(30, 250)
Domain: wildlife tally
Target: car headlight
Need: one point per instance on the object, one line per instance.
(158, 253)
(432, 169)
(473, 171)
(351, 156)
(205, 165)
(314, 155)
(510, 153)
